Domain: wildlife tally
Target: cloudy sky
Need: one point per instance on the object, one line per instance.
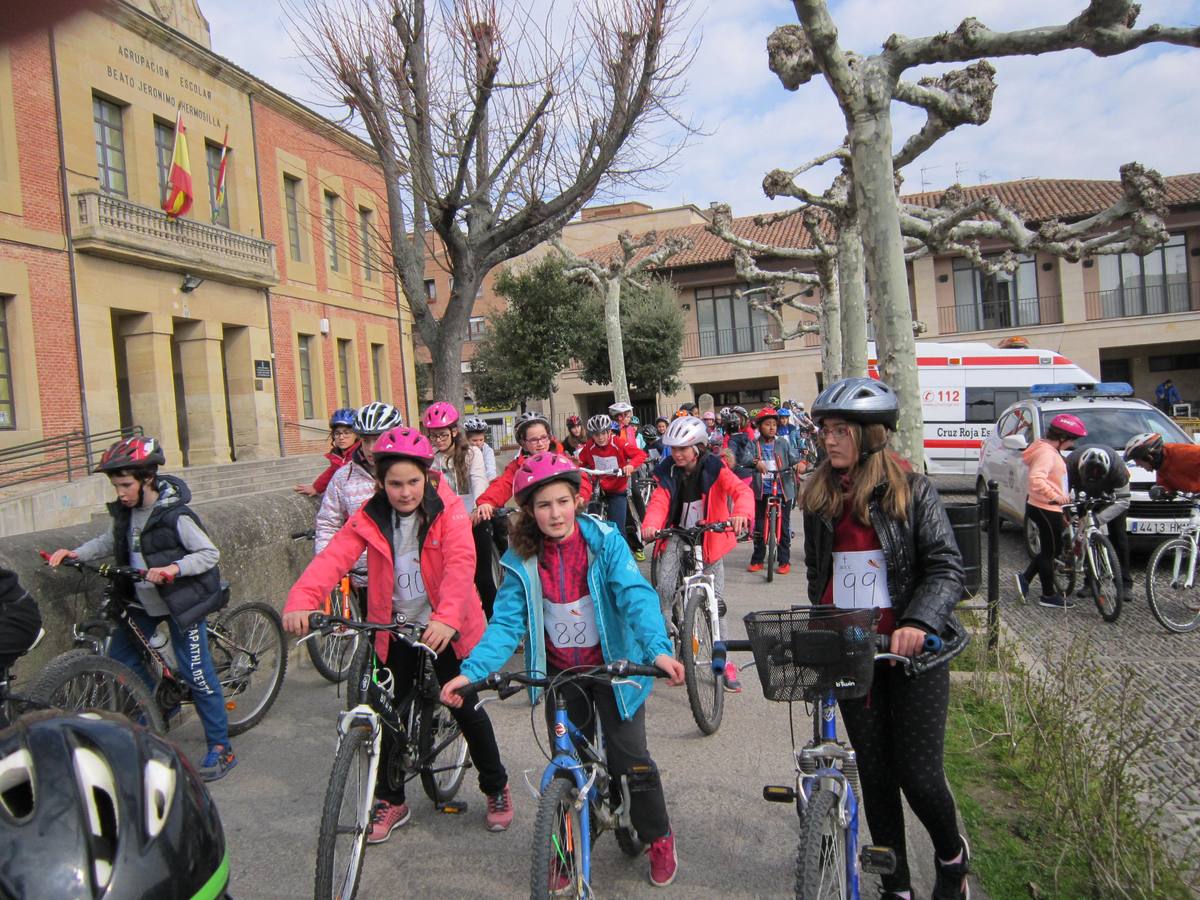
(1062, 115)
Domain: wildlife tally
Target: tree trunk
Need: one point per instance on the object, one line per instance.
(851, 286)
(883, 246)
(445, 338)
(831, 322)
(616, 347)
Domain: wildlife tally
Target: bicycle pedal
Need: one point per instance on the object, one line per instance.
(779, 793)
(453, 807)
(877, 860)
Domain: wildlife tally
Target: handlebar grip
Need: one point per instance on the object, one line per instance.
(739, 645)
(317, 621)
(933, 643)
(44, 555)
(298, 535)
(624, 668)
(509, 691)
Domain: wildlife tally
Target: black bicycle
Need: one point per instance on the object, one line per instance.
(247, 646)
(13, 705)
(428, 743)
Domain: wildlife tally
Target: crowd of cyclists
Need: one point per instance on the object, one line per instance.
(414, 515)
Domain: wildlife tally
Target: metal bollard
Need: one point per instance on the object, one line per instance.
(993, 557)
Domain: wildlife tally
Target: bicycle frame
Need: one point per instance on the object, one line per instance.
(702, 581)
(112, 615)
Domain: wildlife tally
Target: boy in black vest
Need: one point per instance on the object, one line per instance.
(153, 529)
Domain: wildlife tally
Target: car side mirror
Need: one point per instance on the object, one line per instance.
(1014, 442)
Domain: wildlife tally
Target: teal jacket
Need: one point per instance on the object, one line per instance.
(628, 618)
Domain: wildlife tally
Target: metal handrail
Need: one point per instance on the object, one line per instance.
(28, 462)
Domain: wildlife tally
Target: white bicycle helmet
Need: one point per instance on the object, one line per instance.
(619, 408)
(376, 418)
(1094, 463)
(525, 419)
(599, 423)
(475, 425)
(686, 431)
(1147, 445)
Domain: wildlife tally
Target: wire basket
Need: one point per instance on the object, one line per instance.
(803, 653)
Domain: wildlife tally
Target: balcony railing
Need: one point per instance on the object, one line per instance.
(994, 315)
(1142, 300)
(120, 229)
(728, 341)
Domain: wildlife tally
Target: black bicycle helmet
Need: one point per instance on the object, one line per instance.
(94, 806)
(862, 400)
(135, 452)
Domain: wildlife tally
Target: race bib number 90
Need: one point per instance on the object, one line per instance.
(860, 580)
(571, 625)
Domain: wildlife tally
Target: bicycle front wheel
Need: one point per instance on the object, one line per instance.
(557, 837)
(1104, 577)
(79, 680)
(1174, 602)
(250, 655)
(444, 750)
(332, 653)
(772, 541)
(821, 855)
(705, 689)
(345, 818)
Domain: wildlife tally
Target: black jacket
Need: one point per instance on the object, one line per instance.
(924, 566)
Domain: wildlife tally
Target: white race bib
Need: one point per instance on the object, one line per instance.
(689, 516)
(770, 461)
(860, 580)
(605, 463)
(571, 625)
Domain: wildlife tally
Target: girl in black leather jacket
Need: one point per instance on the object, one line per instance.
(869, 520)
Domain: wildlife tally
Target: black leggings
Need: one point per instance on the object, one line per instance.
(898, 732)
(475, 724)
(1050, 526)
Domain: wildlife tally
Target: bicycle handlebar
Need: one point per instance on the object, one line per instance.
(409, 632)
(502, 681)
(933, 644)
(1158, 492)
(692, 533)
(106, 570)
(311, 534)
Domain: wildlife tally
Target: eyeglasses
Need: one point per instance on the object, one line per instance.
(544, 439)
(837, 432)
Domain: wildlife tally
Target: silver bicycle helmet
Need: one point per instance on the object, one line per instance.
(619, 408)
(1094, 463)
(475, 425)
(862, 400)
(599, 423)
(525, 419)
(686, 431)
(376, 418)
(92, 805)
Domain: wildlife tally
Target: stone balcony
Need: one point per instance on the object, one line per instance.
(120, 229)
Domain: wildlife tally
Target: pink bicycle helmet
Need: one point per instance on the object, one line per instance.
(405, 443)
(440, 415)
(540, 469)
(1069, 425)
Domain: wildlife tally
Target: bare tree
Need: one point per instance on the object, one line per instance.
(492, 129)
(865, 87)
(608, 278)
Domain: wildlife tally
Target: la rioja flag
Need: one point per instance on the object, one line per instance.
(179, 179)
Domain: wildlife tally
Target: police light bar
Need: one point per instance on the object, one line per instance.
(1080, 391)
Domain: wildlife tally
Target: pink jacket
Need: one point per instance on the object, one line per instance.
(724, 495)
(1047, 475)
(447, 565)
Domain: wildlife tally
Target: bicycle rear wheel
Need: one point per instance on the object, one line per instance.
(705, 689)
(331, 654)
(442, 774)
(79, 680)
(345, 818)
(772, 524)
(1174, 604)
(821, 854)
(250, 655)
(1104, 577)
(557, 833)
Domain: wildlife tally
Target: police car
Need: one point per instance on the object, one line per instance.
(1112, 416)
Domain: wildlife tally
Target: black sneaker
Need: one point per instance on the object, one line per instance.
(951, 880)
(1055, 601)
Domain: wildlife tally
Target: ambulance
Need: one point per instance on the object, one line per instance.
(965, 387)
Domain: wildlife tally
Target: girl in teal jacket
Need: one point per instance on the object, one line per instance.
(572, 591)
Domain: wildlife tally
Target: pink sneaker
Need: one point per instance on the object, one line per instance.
(664, 864)
(386, 818)
(499, 810)
(732, 685)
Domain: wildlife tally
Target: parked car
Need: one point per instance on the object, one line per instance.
(1112, 416)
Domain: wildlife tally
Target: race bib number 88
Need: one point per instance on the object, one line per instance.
(860, 580)
(571, 625)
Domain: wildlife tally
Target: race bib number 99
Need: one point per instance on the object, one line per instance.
(571, 625)
(860, 580)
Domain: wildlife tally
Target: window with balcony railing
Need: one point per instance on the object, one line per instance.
(1150, 285)
(728, 324)
(984, 301)
(212, 158)
(164, 146)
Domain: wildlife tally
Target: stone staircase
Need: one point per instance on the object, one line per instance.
(242, 478)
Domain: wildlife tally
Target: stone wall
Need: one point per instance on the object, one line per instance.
(258, 558)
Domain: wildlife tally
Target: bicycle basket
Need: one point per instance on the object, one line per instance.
(801, 654)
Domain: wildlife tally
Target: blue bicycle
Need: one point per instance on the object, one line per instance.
(576, 797)
(819, 655)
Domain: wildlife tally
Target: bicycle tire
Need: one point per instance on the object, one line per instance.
(1104, 577)
(821, 851)
(249, 652)
(360, 667)
(699, 677)
(332, 654)
(352, 763)
(1171, 604)
(772, 542)
(437, 724)
(556, 829)
(78, 680)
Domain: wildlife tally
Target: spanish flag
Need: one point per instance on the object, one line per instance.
(219, 200)
(179, 180)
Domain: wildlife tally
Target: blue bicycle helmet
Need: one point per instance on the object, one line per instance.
(343, 416)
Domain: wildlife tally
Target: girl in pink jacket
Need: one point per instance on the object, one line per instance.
(420, 563)
(1047, 496)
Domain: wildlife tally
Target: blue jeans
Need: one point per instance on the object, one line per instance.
(617, 506)
(195, 668)
(759, 553)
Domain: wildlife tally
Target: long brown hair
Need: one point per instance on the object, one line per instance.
(823, 492)
(524, 536)
(458, 453)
